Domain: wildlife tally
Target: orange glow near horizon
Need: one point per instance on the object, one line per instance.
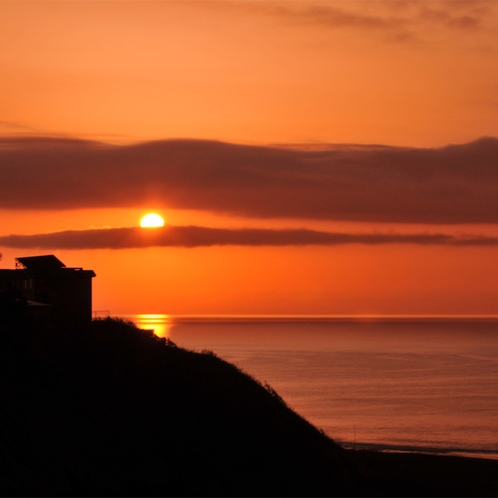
(347, 279)
(342, 280)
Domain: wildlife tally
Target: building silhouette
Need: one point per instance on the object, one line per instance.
(50, 292)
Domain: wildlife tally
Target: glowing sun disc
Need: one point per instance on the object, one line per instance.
(152, 220)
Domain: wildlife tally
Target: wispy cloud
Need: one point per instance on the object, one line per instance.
(14, 127)
(453, 184)
(196, 236)
(395, 21)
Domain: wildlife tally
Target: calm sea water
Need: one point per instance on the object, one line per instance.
(423, 385)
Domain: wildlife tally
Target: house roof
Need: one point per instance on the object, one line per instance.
(37, 263)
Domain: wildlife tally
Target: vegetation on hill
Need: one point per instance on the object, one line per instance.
(113, 410)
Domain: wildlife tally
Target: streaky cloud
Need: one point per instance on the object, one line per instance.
(397, 21)
(196, 236)
(452, 184)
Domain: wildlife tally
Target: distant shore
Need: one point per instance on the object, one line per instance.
(419, 450)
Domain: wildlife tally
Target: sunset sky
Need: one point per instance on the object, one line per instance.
(309, 157)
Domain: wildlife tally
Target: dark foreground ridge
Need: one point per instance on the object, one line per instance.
(110, 410)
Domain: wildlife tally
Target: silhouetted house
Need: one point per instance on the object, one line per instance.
(50, 291)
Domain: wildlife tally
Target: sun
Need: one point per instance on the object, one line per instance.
(152, 220)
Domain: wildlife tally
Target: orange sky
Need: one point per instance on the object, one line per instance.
(415, 74)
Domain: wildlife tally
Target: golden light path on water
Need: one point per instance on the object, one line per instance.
(159, 323)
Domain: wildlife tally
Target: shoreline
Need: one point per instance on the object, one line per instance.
(480, 454)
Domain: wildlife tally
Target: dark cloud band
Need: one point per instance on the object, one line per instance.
(453, 184)
(195, 236)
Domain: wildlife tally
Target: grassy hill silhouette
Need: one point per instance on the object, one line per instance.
(113, 410)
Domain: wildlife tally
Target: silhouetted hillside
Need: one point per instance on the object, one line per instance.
(113, 410)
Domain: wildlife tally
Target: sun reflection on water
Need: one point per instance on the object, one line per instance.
(159, 323)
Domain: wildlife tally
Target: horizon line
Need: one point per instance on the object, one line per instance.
(314, 316)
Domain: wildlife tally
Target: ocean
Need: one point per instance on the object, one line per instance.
(417, 384)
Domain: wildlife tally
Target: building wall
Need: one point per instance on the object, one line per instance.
(70, 294)
(68, 291)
